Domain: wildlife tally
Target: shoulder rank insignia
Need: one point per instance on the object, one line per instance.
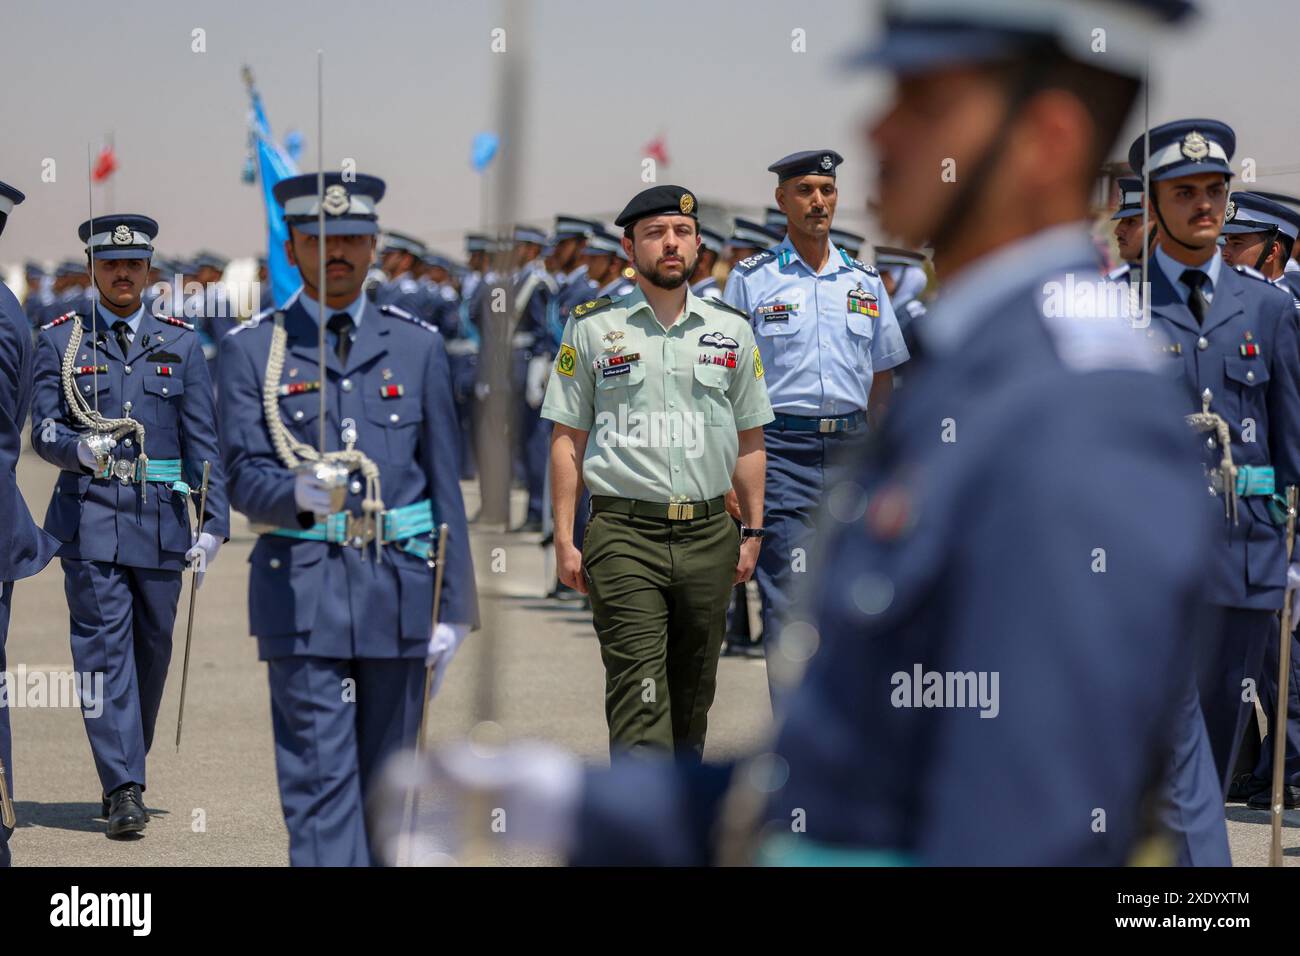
(397, 313)
(590, 306)
(179, 323)
(67, 316)
(726, 307)
(746, 266)
(1253, 273)
(857, 264)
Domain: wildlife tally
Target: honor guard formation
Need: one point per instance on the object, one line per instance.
(1010, 554)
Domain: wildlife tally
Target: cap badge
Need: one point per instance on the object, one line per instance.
(1195, 146)
(686, 204)
(336, 200)
(827, 163)
(1230, 212)
(123, 236)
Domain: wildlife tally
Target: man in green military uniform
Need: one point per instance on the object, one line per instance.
(659, 405)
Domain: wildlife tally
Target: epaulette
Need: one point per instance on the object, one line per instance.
(179, 323)
(858, 264)
(591, 306)
(65, 317)
(746, 266)
(718, 303)
(1253, 273)
(397, 313)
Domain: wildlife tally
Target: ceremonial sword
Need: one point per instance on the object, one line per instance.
(194, 588)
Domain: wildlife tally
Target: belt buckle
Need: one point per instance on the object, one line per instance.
(123, 469)
(827, 425)
(360, 531)
(681, 512)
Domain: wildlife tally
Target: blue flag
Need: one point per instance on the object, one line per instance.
(274, 165)
(483, 150)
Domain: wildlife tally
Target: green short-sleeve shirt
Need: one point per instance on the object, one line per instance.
(662, 406)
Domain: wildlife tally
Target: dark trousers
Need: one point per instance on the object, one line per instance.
(335, 723)
(659, 602)
(798, 467)
(1263, 768)
(121, 624)
(1228, 655)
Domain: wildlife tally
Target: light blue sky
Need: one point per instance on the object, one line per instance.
(408, 83)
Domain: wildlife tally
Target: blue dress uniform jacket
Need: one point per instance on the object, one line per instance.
(312, 598)
(979, 555)
(24, 548)
(123, 550)
(100, 519)
(1259, 392)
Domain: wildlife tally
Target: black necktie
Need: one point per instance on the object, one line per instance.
(1194, 279)
(340, 324)
(123, 333)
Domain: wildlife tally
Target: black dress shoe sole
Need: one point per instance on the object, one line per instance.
(1288, 802)
(125, 829)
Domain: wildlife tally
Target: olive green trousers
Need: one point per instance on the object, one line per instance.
(659, 593)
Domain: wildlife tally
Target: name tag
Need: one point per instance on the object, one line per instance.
(615, 370)
(777, 311)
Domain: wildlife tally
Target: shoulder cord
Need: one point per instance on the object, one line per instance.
(90, 418)
(293, 453)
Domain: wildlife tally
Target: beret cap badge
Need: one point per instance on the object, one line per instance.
(686, 204)
(335, 201)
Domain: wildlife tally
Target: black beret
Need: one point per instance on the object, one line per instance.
(659, 201)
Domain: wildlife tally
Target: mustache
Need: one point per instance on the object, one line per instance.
(337, 262)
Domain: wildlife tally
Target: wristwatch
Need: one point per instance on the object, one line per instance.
(752, 532)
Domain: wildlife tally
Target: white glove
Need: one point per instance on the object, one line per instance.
(443, 643)
(311, 494)
(528, 794)
(202, 552)
(539, 369)
(1293, 585)
(85, 455)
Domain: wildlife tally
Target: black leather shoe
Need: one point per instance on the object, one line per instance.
(126, 813)
(1244, 786)
(1264, 799)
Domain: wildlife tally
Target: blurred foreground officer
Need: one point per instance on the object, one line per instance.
(658, 404)
(123, 406)
(24, 548)
(828, 339)
(952, 562)
(1233, 356)
(341, 579)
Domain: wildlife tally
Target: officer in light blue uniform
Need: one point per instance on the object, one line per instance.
(828, 339)
(1260, 236)
(1232, 347)
(123, 406)
(24, 548)
(712, 246)
(341, 597)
